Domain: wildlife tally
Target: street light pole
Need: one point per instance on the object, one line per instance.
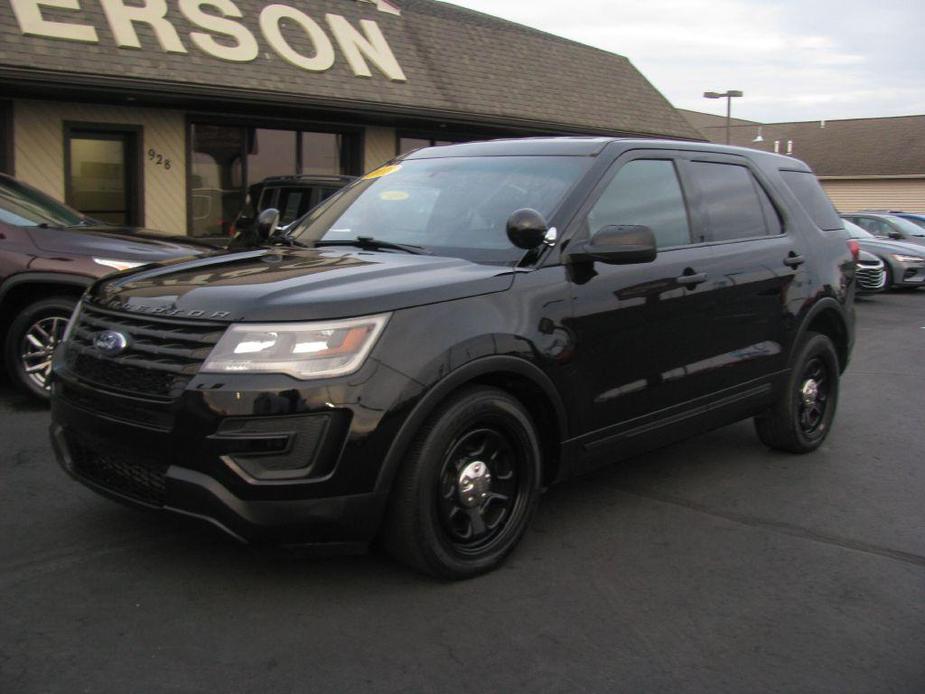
(728, 96)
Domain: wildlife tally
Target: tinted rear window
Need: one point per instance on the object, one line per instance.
(733, 201)
(813, 199)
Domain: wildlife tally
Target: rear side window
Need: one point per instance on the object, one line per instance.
(805, 186)
(646, 192)
(736, 205)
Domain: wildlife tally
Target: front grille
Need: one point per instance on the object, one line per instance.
(161, 357)
(124, 408)
(871, 278)
(137, 478)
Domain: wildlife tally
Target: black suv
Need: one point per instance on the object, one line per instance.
(422, 354)
(49, 254)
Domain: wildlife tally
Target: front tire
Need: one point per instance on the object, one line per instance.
(468, 488)
(31, 341)
(801, 418)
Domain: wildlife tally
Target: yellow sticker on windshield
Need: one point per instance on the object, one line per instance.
(382, 171)
(394, 195)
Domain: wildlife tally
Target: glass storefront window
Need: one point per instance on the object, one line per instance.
(229, 160)
(321, 153)
(270, 153)
(217, 181)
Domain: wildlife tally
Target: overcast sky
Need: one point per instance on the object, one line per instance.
(795, 60)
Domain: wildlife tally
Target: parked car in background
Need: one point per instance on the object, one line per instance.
(904, 263)
(888, 226)
(293, 196)
(914, 217)
(49, 254)
(871, 273)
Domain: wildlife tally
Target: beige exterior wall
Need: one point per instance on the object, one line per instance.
(883, 194)
(379, 148)
(39, 153)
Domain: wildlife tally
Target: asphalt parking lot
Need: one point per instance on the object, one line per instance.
(714, 565)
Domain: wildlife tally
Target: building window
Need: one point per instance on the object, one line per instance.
(227, 160)
(6, 137)
(217, 178)
(103, 172)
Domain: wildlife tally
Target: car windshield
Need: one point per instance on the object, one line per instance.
(24, 206)
(856, 232)
(905, 226)
(916, 220)
(452, 206)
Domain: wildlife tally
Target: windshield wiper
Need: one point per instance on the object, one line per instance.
(368, 242)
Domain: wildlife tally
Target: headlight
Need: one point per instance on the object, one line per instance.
(119, 265)
(301, 350)
(908, 258)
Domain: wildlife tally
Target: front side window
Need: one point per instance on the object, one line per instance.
(733, 202)
(455, 206)
(874, 226)
(645, 192)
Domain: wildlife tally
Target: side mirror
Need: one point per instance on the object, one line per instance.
(895, 235)
(615, 245)
(527, 229)
(267, 223)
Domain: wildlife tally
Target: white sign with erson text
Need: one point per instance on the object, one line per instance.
(362, 46)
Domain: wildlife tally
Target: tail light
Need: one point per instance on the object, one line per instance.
(855, 249)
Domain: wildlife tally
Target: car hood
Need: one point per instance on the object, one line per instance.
(298, 284)
(116, 243)
(884, 246)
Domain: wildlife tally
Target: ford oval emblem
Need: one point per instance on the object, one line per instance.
(110, 343)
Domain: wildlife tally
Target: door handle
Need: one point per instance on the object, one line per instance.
(691, 279)
(794, 260)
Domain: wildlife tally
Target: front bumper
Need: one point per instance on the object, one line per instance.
(909, 274)
(264, 464)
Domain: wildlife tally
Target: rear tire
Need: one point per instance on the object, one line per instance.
(801, 418)
(31, 340)
(468, 487)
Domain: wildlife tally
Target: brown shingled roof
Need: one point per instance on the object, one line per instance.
(460, 65)
(893, 146)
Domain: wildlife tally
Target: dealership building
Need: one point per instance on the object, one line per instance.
(161, 113)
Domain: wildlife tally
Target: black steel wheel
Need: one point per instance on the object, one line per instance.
(468, 488)
(801, 418)
(31, 342)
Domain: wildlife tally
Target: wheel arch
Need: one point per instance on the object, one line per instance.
(827, 317)
(522, 379)
(26, 288)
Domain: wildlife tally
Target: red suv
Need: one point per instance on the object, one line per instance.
(49, 254)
